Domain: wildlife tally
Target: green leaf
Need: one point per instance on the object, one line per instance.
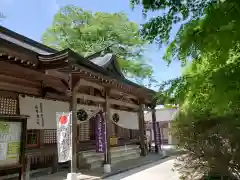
(86, 33)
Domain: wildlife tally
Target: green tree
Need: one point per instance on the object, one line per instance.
(207, 125)
(86, 33)
(171, 12)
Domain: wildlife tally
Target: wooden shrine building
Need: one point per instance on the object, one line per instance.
(37, 81)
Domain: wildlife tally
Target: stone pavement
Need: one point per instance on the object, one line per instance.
(159, 170)
(62, 175)
(98, 173)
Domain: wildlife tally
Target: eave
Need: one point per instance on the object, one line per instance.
(25, 52)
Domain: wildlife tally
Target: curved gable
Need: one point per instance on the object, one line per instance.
(108, 62)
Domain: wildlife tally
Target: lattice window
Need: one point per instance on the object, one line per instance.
(134, 134)
(50, 136)
(125, 132)
(8, 106)
(33, 138)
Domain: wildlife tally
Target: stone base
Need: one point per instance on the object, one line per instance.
(163, 152)
(92, 160)
(72, 176)
(107, 168)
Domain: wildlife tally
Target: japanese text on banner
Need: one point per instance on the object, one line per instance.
(64, 136)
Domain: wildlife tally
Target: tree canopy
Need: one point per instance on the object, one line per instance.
(87, 33)
(213, 50)
(171, 12)
(207, 44)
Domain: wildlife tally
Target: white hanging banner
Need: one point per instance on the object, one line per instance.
(64, 136)
(125, 119)
(41, 112)
(85, 112)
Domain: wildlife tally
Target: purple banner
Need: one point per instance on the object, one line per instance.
(158, 136)
(100, 133)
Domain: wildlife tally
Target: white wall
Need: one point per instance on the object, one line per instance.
(163, 114)
(166, 114)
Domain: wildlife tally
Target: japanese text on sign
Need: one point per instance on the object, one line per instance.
(64, 136)
(100, 133)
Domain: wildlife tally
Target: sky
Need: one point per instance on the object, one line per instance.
(31, 18)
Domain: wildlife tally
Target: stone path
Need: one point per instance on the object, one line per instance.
(161, 169)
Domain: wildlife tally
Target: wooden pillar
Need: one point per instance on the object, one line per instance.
(73, 108)
(107, 155)
(27, 168)
(141, 125)
(170, 140)
(154, 128)
(54, 163)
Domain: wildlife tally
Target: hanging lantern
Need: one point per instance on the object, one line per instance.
(82, 115)
(115, 117)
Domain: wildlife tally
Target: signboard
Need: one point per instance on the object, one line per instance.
(158, 134)
(100, 133)
(10, 141)
(64, 136)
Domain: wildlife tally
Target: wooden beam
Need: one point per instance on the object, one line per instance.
(78, 84)
(122, 103)
(102, 100)
(91, 84)
(154, 129)
(117, 92)
(8, 69)
(53, 96)
(90, 98)
(108, 124)
(19, 81)
(64, 76)
(141, 125)
(57, 74)
(73, 109)
(20, 89)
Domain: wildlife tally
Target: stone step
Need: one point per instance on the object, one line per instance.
(123, 158)
(95, 164)
(126, 153)
(92, 159)
(86, 154)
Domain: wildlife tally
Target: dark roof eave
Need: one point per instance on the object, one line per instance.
(83, 62)
(27, 40)
(90, 65)
(139, 86)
